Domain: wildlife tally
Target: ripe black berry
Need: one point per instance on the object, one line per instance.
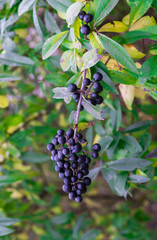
(76, 96)
(97, 76)
(67, 188)
(78, 192)
(82, 107)
(80, 175)
(71, 141)
(50, 147)
(73, 179)
(81, 185)
(96, 147)
(88, 18)
(65, 151)
(81, 159)
(85, 29)
(54, 152)
(81, 15)
(95, 95)
(60, 154)
(92, 101)
(56, 158)
(67, 165)
(97, 87)
(77, 148)
(84, 166)
(87, 181)
(70, 132)
(60, 132)
(95, 154)
(72, 195)
(74, 165)
(85, 171)
(62, 140)
(61, 175)
(99, 100)
(79, 199)
(67, 181)
(86, 81)
(60, 164)
(55, 141)
(73, 157)
(72, 87)
(57, 168)
(68, 172)
(79, 136)
(87, 160)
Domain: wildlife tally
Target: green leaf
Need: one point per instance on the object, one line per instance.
(140, 126)
(89, 137)
(90, 234)
(7, 179)
(62, 92)
(131, 144)
(60, 5)
(90, 58)
(148, 69)
(116, 115)
(107, 83)
(50, 22)
(8, 77)
(121, 77)
(34, 157)
(36, 21)
(116, 181)
(91, 109)
(61, 219)
(118, 52)
(138, 178)
(150, 109)
(24, 6)
(7, 221)
(52, 43)
(105, 142)
(138, 9)
(14, 59)
(93, 173)
(129, 164)
(72, 12)
(103, 9)
(65, 61)
(78, 226)
(113, 145)
(131, 37)
(5, 231)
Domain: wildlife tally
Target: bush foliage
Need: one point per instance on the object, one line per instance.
(42, 51)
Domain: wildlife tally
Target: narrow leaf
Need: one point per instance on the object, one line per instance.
(138, 178)
(118, 52)
(90, 58)
(24, 6)
(140, 126)
(152, 154)
(91, 109)
(73, 11)
(51, 44)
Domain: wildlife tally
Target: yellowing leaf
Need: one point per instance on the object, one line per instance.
(143, 22)
(104, 59)
(133, 52)
(140, 93)
(95, 42)
(153, 51)
(62, 15)
(116, 26)
(4, 102)
(96, 139)
(62, 121)
(84, 125)
(66, 60)
(77, 25)
(125, 19)
(22, 33)
(39, 231)
(128, 93)
(114, 65)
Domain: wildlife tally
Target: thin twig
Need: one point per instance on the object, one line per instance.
(79, 106)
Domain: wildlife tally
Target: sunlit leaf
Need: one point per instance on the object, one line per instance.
(116, 26)
(128, 93)
(4, 102)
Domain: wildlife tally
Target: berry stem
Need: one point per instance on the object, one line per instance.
(79, 106)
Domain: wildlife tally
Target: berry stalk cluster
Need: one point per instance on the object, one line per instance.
(87, 18)
(90, 91)
(72, 162)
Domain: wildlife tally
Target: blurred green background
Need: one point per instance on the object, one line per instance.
(30, 188)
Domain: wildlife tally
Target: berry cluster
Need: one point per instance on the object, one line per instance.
(72, 162)
(87, 18)
(92, 96)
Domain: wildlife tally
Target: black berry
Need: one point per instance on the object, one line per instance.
(99, 100)
(85, 29)
(72, 195)
(62, 140)
(77, 148)
(79, 199)
(67, 180)
(60, 132)
(86, 81)
(65, 151)
(70, 132)
(67, 188)
(55, 141)
(72, 87)
(97, 76)
(95, 154)
(87, 181)
(71, 141)
(68, 172)
(50, 147)
(81, 15)
(88, 18)
(96, 147)
(97, 87)
(76, 96)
